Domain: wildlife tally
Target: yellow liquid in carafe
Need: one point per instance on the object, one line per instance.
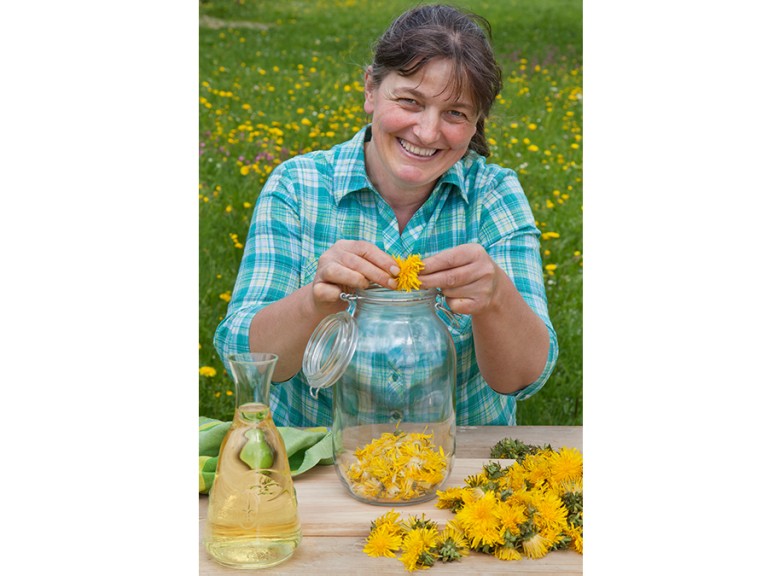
(253, 519)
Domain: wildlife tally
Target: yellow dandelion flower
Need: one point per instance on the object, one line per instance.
(568, 486)
(566, 464)
(511, 515)
(480, 521)
(390, 518)
(408, 278)
(383, 541)
(577, 539)
(550, 511)
(207, 371)
(450, 499)
(506, 553)
(416, 548)
(451, 544)
(536, 546)
(226, 296)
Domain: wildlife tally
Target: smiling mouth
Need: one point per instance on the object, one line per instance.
(423, 152)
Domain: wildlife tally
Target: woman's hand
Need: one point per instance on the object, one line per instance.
(511, 341)
(347, 265)
(467, 275)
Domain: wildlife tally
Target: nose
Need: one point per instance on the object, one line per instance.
(427, 128)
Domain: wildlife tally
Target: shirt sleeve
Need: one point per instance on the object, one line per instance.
(270, 268)
(509, 233)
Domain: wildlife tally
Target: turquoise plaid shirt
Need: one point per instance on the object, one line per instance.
(313, 200)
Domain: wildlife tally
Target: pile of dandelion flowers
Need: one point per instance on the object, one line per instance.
(408, 278)
(419, 541)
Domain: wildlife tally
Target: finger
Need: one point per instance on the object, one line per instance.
(453, 258)
(372, 262)
(369, 271)
(447, 279)
(375, 255)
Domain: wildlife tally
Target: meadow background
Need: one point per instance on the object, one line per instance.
(278, 79)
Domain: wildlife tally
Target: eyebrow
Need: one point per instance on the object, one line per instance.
(419, 94)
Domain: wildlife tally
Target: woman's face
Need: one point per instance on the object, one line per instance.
(421, 127)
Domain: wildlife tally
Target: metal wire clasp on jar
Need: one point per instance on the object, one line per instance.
(392, 363)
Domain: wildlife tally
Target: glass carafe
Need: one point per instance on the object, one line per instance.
(253, 519)
(392, 364)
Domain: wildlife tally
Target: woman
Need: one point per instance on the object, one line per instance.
(413, 181)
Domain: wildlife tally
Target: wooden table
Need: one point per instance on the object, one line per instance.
(335, 525)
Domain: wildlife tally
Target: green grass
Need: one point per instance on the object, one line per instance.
(283, 78)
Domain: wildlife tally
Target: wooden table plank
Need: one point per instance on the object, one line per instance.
(334, 525)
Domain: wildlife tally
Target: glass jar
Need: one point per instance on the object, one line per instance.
(392, 364)
(253, 519)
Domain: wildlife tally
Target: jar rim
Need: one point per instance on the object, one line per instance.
(376, 293)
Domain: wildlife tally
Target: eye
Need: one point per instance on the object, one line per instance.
(457, 115)
(407, 101)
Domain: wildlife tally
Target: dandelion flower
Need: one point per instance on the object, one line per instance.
(511, 515)
(577, 539)
(390, 518)
(408, 278)
(208, 371)
(565, 465)
(416, 548)
(536, 546)
(506, 553)
(451, 544)
(480, 521)
(383, 541)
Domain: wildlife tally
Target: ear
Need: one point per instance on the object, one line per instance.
(370, 88)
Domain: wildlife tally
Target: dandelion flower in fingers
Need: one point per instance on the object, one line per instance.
(408, 278)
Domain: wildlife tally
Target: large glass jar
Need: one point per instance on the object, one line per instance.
(392, 364)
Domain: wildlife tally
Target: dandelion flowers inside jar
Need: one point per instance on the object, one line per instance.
(397, 467)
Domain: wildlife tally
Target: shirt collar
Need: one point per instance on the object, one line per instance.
(350, 175)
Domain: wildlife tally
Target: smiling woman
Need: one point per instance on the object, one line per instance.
(415, 180)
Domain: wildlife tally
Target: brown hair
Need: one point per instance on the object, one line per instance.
(440, 31)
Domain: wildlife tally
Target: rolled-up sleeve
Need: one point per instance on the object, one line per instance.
(270, 267)
(509, 232)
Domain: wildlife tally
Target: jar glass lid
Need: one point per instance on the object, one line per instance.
(329, 351)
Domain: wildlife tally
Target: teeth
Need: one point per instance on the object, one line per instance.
(416, 150)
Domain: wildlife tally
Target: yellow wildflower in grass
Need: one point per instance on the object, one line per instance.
(226, 296)
(207, 371)
(408, 278)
